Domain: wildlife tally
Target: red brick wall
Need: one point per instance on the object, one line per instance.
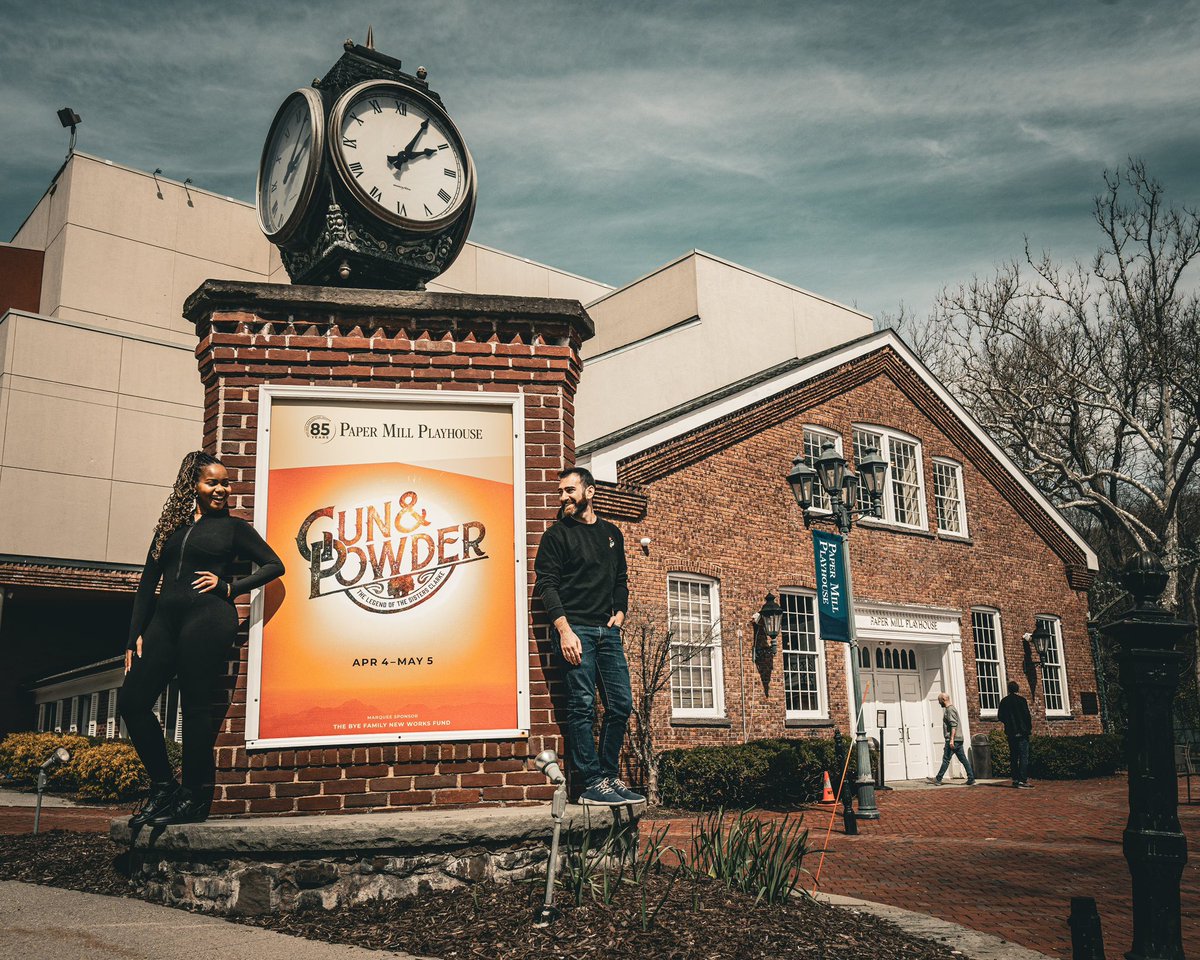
(717, 503)
(250, 334)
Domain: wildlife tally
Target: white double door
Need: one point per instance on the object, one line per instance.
(897, 695)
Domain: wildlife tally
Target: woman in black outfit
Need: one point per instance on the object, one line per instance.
(187, 631)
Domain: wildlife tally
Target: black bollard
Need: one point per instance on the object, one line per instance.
(1155, 847)
(1087, 942)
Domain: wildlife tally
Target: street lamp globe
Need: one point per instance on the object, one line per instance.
(771, 616)
(831, 468)
(872, 469)
(801, 480)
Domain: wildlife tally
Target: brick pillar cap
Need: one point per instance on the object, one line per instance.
(279, 299)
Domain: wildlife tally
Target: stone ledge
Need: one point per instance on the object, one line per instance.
(258, 865)
(272, 298)
(356, 833)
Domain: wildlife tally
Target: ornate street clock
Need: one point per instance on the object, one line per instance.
(365, 180)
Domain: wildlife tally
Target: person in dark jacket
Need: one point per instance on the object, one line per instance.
(1018, 725)
(584, 584)
(187, 631)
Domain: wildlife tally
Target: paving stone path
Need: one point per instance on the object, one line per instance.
(999, 860)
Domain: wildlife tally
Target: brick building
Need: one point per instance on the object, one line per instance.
(967, 557)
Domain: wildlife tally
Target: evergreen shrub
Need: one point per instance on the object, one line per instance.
(770, 773)
(105, 770)
(1063, 758)
(22, 753)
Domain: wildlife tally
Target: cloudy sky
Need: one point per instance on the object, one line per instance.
(871, 152)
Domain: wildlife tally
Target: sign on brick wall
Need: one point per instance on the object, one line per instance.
(400, 516)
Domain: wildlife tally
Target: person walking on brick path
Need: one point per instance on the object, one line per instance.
(952, 730)
(584, 584)
(186, 631)
(1018, 725)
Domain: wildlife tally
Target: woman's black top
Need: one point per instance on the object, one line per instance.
(213, 543)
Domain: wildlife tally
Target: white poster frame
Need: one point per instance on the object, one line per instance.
(511, 401)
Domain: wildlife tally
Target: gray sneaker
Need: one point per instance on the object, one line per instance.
(601, 794)
(620, 787)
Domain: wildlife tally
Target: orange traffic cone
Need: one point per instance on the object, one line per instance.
(827, 791)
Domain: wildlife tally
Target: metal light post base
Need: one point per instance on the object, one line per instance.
(1154, 843)
(865, 784)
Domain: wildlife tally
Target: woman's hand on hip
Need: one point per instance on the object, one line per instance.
(205, 581)
(129, 655)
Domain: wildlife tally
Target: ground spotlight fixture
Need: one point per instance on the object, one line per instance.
(547, 763)
(69, 118)
(60, 756)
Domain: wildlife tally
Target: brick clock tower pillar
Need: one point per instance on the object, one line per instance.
(252, 334)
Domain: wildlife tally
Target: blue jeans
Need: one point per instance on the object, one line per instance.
(955, 749)
(1018, 759)
(602, 662)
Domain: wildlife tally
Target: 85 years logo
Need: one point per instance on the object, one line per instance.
(319, 428)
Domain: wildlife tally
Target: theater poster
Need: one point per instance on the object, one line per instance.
(400, 517)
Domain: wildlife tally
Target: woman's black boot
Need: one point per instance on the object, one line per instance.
(189, 805)
(159, 797)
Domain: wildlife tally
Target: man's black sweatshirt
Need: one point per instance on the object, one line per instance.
(581, 572)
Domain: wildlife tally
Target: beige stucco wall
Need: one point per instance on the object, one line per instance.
(742, 323)
(99, 394)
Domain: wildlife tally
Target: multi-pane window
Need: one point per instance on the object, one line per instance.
(905, 475)
(985, 626)
(803, 660)
(865, 440)
(696, 676)
(1054, 676)
(814, 442)
(948, 497)
(903, 497)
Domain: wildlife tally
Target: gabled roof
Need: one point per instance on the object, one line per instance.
(653, 447)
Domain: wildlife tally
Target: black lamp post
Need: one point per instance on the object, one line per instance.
(842, 486)
(1155, 847)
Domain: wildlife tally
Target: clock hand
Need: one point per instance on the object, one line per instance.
(294, 162)
(407, 153)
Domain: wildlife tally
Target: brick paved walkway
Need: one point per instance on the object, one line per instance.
(999, 860)
(80, 819)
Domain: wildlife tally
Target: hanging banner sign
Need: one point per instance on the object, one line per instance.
(400, 517)
(829, 553)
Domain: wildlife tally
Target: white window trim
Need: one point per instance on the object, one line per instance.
(965, 532)
(826, 434)
(822, 711)
(887, 434)
(1002, 672)
(1062, 666)
(717, 710)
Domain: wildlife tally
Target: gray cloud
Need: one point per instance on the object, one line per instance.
(871, 152)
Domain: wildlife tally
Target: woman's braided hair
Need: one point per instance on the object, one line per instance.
(180, 508)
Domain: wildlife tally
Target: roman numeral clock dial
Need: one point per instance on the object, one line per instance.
(291, 164)
(401, 156)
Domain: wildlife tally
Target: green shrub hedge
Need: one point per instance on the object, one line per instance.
(104, 770)
(771, 773)
(1063, 758)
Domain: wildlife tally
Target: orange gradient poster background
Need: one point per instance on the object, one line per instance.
(400, 616)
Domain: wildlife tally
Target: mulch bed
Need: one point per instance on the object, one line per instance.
(699, 918)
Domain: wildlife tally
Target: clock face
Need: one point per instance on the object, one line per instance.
(401, 155)
(290, 165)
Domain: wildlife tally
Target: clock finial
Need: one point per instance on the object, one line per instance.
(370, 37)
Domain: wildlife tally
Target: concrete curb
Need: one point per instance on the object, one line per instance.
(47, 923)
(968, 942)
